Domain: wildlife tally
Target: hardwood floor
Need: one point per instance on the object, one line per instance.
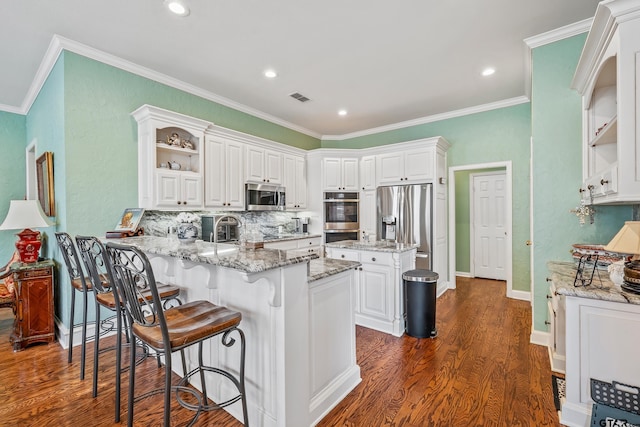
(480, 371)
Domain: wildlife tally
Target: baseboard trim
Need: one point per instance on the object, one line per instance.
(539, 338)
(520, 295)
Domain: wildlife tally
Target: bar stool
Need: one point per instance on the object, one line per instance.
(174, 329)
(93, 255)
(79, 283)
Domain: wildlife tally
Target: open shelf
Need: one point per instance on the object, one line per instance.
(608, 134)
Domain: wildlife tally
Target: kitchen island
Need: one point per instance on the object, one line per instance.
(297, 316)
(601, 335)
(379, 286)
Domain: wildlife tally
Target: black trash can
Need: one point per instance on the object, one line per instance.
(420, 303)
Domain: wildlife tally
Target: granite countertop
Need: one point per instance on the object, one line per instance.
(221, 254)
(564, 273)
(288, 236)
(377, 246)
(324, 267)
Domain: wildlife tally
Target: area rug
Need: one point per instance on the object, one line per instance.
(558, 390)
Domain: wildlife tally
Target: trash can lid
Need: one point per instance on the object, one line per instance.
(420, 276)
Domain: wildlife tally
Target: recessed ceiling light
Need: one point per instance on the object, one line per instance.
(177, 7)
(488, 71)
(270, 74)
(342, 112)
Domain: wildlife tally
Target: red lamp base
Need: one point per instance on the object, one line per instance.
(28, 245)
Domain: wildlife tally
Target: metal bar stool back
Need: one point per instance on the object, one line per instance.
(167, 330)
(79, 283)
(93, 255)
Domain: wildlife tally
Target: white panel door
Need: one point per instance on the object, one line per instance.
(489, 225)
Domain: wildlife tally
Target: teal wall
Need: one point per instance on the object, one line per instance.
(557, 167)
(492, 136)
(12, 184)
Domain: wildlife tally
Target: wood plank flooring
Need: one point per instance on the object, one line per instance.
(479, 371)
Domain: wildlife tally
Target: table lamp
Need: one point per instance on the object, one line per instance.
(627, 241)
(26, 214)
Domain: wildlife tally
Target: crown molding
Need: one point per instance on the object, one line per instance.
(558, 34)
(430, 119)
(59, 43)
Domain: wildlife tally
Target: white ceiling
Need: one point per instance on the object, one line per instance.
(386, 62)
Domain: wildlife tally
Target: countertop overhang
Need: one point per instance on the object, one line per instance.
(377, 246)
(220, 254)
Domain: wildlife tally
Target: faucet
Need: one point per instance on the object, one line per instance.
(219, 220)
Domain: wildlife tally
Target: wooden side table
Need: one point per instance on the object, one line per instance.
(34, 304)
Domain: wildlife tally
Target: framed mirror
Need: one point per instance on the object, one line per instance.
(44, 172)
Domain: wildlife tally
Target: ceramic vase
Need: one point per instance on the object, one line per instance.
(187, 232)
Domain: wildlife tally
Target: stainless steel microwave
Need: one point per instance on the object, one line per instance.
(264, 197)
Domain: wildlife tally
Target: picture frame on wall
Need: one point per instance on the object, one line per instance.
(44, 178)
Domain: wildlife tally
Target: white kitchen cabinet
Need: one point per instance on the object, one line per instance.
(263, 165)
(606, 78)
(170, 159)
(379, 289)
(295, 181)
(368, 173)
(178, 189)
(601, 344)
(224, 172)
(415, 165)
(368, 214)
(340, 174)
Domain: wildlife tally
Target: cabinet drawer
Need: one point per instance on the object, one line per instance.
(379, 258)
(311, 241)
(343, 254)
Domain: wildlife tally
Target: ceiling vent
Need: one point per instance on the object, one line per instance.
(300, 97)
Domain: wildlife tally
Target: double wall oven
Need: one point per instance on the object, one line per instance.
(341, 216)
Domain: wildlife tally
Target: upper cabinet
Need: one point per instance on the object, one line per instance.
(340, 174)
(295, 181)
(263, 165)
(606, 78)
(224, 171)
(402, 167)
(368, 173)
(170, 159)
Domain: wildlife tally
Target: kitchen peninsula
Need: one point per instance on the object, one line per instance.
(297, 315)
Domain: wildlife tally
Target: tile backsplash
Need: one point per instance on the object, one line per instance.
(157, 223)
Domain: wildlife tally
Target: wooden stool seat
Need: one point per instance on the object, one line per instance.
(189, 323)
(167, 292)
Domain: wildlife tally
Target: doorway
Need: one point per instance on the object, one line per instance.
(488, 225)
(457, 185)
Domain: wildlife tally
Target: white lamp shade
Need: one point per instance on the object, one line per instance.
(25, 214)
(627, 241)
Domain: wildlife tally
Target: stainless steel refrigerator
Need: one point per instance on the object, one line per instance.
(404, 216)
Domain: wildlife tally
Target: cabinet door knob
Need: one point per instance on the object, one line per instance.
(603, 182)
(342, 256)
(373, 259)
(549, 297)
(179, 202)
(360, 268)
(546, 322)
(547, 279)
